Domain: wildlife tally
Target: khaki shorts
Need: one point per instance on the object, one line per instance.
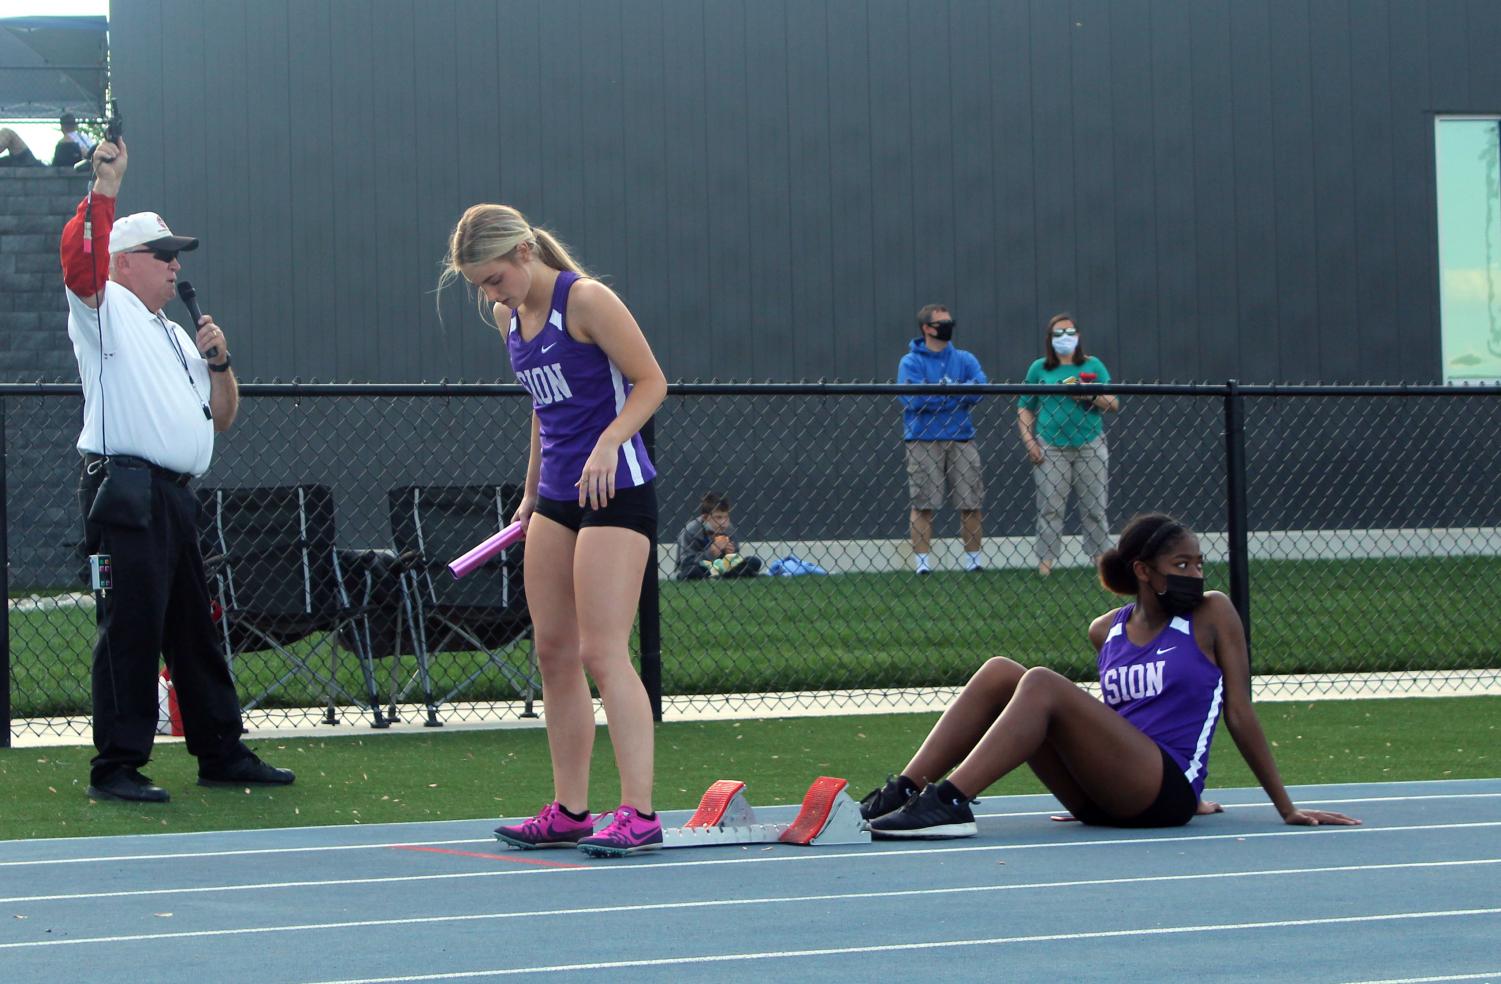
(932, 465)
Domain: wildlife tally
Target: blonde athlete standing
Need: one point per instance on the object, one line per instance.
(590, 512)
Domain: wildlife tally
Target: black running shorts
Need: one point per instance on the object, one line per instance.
(1175, 805)
(633, 508)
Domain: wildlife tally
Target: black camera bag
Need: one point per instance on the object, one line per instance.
(124, 497)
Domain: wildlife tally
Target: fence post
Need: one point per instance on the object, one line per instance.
(4, 591)
(1235, 502)
(649, 611)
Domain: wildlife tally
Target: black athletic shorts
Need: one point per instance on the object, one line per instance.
(634, 508)
(1174, 806)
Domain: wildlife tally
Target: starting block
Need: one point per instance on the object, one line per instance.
(724, 816)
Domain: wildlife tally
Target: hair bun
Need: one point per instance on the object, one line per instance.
(1115, 572)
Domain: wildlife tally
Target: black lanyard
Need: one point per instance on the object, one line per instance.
(176, 345)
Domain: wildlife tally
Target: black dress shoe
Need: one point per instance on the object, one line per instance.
(248, 770)
(128, 785)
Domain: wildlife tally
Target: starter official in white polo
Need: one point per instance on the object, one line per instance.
(154, 396)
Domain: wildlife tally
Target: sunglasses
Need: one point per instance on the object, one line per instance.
(940, 324)
(1060, 332)
(164, 255)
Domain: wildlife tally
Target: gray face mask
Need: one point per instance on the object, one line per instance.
(1064, 345)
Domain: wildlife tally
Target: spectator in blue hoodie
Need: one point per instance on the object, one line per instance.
(939, 435)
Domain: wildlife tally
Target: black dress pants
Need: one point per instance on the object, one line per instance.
(158, 608)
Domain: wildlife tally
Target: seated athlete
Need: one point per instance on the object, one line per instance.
(1169, 662)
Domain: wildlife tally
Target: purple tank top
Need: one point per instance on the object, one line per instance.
(1168, 688)
(576, 393)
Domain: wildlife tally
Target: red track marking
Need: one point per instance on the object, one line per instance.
(488, 857)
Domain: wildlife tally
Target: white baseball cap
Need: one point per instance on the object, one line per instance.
(146, 229)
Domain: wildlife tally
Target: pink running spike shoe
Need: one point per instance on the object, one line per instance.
(628, 833)
(550, 828)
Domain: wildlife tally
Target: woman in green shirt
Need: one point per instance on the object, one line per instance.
(1065, 439)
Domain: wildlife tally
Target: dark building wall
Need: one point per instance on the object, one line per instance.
(1215, 187)
(35, 202)
(39, 472)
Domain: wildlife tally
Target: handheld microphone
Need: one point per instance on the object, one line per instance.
(190, 298)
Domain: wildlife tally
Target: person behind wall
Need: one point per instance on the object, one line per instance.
(589, 510)
(939, 437)
(153, 398)
(13, 150)
(74, 145)
(1065, 441)
(707, 546)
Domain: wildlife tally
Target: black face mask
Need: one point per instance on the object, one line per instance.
(1183, 594)
(942, 330)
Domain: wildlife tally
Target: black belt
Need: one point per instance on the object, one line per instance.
(176, 478)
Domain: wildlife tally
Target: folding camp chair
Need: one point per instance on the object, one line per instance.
(484, 612)
(276, 575)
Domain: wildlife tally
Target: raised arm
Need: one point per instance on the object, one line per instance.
(85, 244)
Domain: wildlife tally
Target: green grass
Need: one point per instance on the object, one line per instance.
(896, 630)
(857, 631)
(472, 774)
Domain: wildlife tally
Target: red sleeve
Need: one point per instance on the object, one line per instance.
(86, 265)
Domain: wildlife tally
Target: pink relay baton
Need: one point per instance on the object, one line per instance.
(477, 557)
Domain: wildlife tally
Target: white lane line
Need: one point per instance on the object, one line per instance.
(1312, 801)
(938, 945)
(728, 903)
(418, 878)
(170, 856)
(1297, 792)
(758, 858)
(1489, 975)
(265, 886)
(1042, 810)
(388, 825)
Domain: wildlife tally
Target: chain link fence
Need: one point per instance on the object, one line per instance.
(1371, 558)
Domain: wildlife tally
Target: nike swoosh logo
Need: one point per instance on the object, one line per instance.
(546, 347)
(1167, 650)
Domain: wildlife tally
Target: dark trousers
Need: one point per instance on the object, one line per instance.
(158, 607)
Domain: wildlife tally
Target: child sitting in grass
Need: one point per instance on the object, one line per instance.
(707, 547)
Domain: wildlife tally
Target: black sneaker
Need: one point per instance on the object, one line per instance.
(247, 770)
(879, 802)
(128, 785)
(939, 811)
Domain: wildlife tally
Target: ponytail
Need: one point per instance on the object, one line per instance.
(552, 251)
